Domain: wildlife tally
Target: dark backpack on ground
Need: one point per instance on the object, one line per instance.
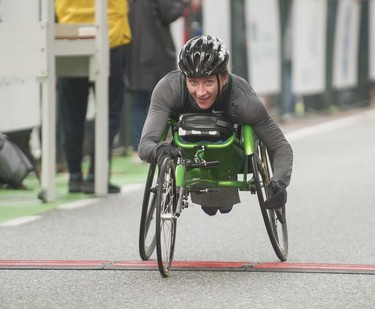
(14, 164)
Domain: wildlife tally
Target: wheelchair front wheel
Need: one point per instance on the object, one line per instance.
(166, 221)
(147, 230)
(274, 220)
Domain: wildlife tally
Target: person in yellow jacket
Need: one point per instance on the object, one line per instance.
(73, 91)
(83, 11)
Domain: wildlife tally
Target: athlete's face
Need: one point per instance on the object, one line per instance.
(204, 90)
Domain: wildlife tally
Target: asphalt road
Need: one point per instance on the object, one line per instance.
(331, 219)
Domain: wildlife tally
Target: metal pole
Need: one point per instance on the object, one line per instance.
(101, 89)
(48, 106)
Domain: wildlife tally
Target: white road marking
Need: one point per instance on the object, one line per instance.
(132, 187)
(86, 202)
(72, 205)
(78, 204)
(328, 126)
(19, 221)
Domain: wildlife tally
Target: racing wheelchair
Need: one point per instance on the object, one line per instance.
(215, 155)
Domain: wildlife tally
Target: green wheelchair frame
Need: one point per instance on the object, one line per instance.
(168, 187)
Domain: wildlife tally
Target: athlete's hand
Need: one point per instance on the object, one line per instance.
(166, 150)
(277, 195)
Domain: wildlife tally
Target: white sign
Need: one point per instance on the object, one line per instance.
(19, 103)
(309, 46)
(19, 96)
(346, 44)
(19, 10)
(177, 31)
(216, 19)
(263, 45)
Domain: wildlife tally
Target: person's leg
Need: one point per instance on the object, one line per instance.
(116, 93)
(288, 92)
(72, 96)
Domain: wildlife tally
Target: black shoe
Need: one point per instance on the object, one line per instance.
(89, 188)
(75, 183)
(226, 209)
(113, 188)
(210, 210)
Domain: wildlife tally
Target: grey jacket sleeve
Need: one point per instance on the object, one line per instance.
(165, 100)
(279, 149)
(247, 108)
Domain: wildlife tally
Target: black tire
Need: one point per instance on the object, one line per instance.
(147, 230)
(166, 221)
(274, 220)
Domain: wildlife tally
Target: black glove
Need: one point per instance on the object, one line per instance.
(277, 195)
(166, 150)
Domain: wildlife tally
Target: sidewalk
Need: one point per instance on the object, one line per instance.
(311, 119)
(19, 203)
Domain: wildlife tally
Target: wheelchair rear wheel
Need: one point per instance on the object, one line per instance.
(275, 220)
(147, 230)
(166, 221)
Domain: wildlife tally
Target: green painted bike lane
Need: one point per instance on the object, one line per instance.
(24, 202)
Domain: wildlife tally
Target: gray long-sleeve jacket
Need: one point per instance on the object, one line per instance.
(246, 108)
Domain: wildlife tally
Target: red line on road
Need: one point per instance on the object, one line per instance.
(56, 264)
(181, 264)
(190, 265)
(316, 266)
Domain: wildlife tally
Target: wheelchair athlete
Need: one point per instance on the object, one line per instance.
(204, 85)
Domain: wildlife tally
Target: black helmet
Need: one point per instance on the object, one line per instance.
(203, 56)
